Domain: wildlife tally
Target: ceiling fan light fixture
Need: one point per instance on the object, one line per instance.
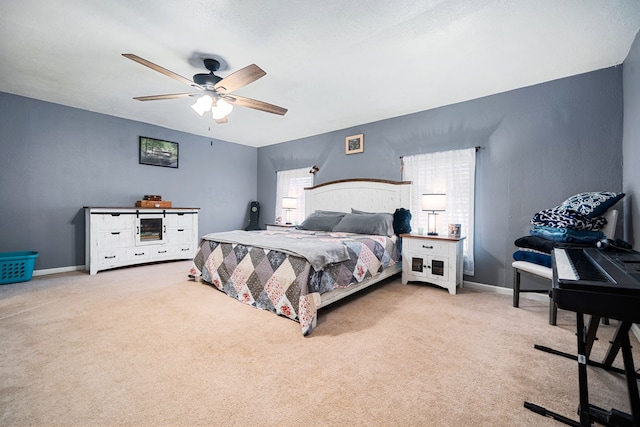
(221, 110)
(203, 104)
(216, 87)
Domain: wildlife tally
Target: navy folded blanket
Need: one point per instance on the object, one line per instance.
(533, 257)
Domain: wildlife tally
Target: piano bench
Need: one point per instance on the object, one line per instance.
(535, 270)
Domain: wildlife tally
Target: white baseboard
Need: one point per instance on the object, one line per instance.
(504, 291)
(488, 288)
(47, 271)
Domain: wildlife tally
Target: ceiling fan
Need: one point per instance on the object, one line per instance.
(217, 94)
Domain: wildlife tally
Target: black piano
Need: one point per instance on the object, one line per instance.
(603, 284)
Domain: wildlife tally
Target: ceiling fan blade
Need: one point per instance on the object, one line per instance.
(160, 69)
(222, 120)
(256, 105)
(159, 97)
(240, 78)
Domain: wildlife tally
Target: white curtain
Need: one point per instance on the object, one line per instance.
(291, 183)
(453, 173)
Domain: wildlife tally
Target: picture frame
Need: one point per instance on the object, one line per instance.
(354, 144)
(157, 152)
(454, 230)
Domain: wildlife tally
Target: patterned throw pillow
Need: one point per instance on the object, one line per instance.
(592, 204)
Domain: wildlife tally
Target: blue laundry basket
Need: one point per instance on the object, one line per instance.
(17, 266)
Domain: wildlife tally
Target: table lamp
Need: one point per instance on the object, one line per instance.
(433, 202)
(288, 203)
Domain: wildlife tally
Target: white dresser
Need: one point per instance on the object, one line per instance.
(116, 237)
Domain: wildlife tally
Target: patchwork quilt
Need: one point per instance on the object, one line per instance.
(278, 279)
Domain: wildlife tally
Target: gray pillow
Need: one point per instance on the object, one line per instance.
(366, 223)
(356, 211)
(322, 221)
(341, 214)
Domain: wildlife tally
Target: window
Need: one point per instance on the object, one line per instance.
(453, 173)
(291, 183)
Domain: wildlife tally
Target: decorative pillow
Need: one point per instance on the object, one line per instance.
(322, 221)
(566, 217)
(402, 221)
(592, 204)
(379, 224)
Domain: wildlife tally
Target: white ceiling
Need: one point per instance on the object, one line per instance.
(333, 63)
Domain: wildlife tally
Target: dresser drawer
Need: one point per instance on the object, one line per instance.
(115, 239)
(110, 258)
(173, 252)
(179, 236)
(179, 220)
(138, 254)
(112, 221)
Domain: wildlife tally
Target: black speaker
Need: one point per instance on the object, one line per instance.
(254, 217)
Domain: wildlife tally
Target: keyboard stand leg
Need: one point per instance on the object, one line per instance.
(590, 413)
(585, 416)
(546, 413)
(632, 384)
(622, 330)
(590, 338)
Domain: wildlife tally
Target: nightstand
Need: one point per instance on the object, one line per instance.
(432, 259)
(280, 226)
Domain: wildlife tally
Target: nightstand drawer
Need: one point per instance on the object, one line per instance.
(427, 247)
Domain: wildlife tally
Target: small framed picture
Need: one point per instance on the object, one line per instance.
(354, 144)
(454, 230)
(158, 153)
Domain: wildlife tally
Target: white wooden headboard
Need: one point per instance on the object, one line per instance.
(370, 195)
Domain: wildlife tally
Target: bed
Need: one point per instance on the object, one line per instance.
(343, 246)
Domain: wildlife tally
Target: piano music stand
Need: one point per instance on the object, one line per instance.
(589, 412)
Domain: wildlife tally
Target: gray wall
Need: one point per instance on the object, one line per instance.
(540, 145)
(631, 143)
(57, 159)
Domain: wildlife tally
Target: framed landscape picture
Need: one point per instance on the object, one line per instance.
(354, 144)
(156, 152)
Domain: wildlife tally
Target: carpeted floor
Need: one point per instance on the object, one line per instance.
(145, 346)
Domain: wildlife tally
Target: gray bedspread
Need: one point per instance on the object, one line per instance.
(305, 244)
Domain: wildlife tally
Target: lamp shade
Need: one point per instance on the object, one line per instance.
(203, 104)
(221, 110)
(288, 203)
(434, 202)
